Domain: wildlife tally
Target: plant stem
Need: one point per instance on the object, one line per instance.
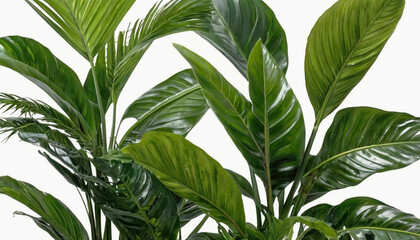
(108, 230)
(98, 222)
(257, 196)
(199, 226)
(300, 172)
(91, 215)
(100, 105)
(114, 119)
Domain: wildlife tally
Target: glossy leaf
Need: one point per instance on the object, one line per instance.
(52, 211)
(85, 24)
(136, 202)
(40, 66)
(361, 142)
(236, 26)
(365, 218)
(242, 183)
(343, 45)
(175, 105)
(189, 172)
(276, 120)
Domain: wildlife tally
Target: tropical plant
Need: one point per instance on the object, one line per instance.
(269, 131)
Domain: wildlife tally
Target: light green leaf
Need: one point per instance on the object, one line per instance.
(365, 218)
(190, 173)
(236, 26)
(52, 211)
(175, 105)
(40, 66)
(85, 24)
(361, 142)
(343, 45)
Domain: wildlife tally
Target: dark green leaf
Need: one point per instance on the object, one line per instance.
(236, 26)
(175, 105)
(366, 219)
(362, 142)
(189, 172)
(85, 24)
(39, 65)
(242, 183)
(136, 202)
(344, 43)
(43, 225)
(52, 211)
(206, 236)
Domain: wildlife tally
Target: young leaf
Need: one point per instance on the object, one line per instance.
(85, 24)
(365, 218)
(190, 173)
(343, 45)
(236, 26)
(52, 211)
(175, 105)
(361, 142)
(40, 66)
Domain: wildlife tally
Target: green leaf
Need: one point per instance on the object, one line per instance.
(175, 105)
(206, 236)
(136, 202)
(42, 224)
(236, 26)
(85, 24)
(276, 121)
(361, 142)
(40, 66)
(365, 218)
(52, 211)
(243, 184)
(343, 45)
(190, 173)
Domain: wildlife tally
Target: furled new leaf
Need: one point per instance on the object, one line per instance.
(52, 211)
(39, 65)
(189, 172)
(85, 24)
(343, 45)
(137, 203)
(236, 26)
(363, 141)
(175, 105)
(365, 218)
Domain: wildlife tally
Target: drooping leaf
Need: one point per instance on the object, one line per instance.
(363, 141)
(343, 45)
(276, 120)
(189, 172)
(40, 66)
(136, 202)
(175, 105)
(43, 225)
(236, 26)
(365, 218)
(52, 211)
(85, 24)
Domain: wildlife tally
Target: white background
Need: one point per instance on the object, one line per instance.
(392, 84)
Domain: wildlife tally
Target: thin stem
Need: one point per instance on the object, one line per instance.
(114, 119)
(98, 222)
(108, 230)
(91, 215)
(199, 226)
(256, 195)
(300, 172)
(100, 105)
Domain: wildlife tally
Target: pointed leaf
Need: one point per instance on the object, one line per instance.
(189, 172)
(365, 218)
(243, 184)
(343, 45)
(236, 26)
(362, 142)
(175, 105)
(276, 120)
(40, 66)
(85, 24)
(52, 211)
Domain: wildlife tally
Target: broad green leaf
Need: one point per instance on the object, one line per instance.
(42, 224)
(276, 120)
(85, 24)
(40, 66)
(236, 26)
(136, 202)
(365, 218)
(363, 141)
(343, 45)
(190, 173)
(242, 183)
(206, 236)
(52, 211)
(175, 105)
(189, 212)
